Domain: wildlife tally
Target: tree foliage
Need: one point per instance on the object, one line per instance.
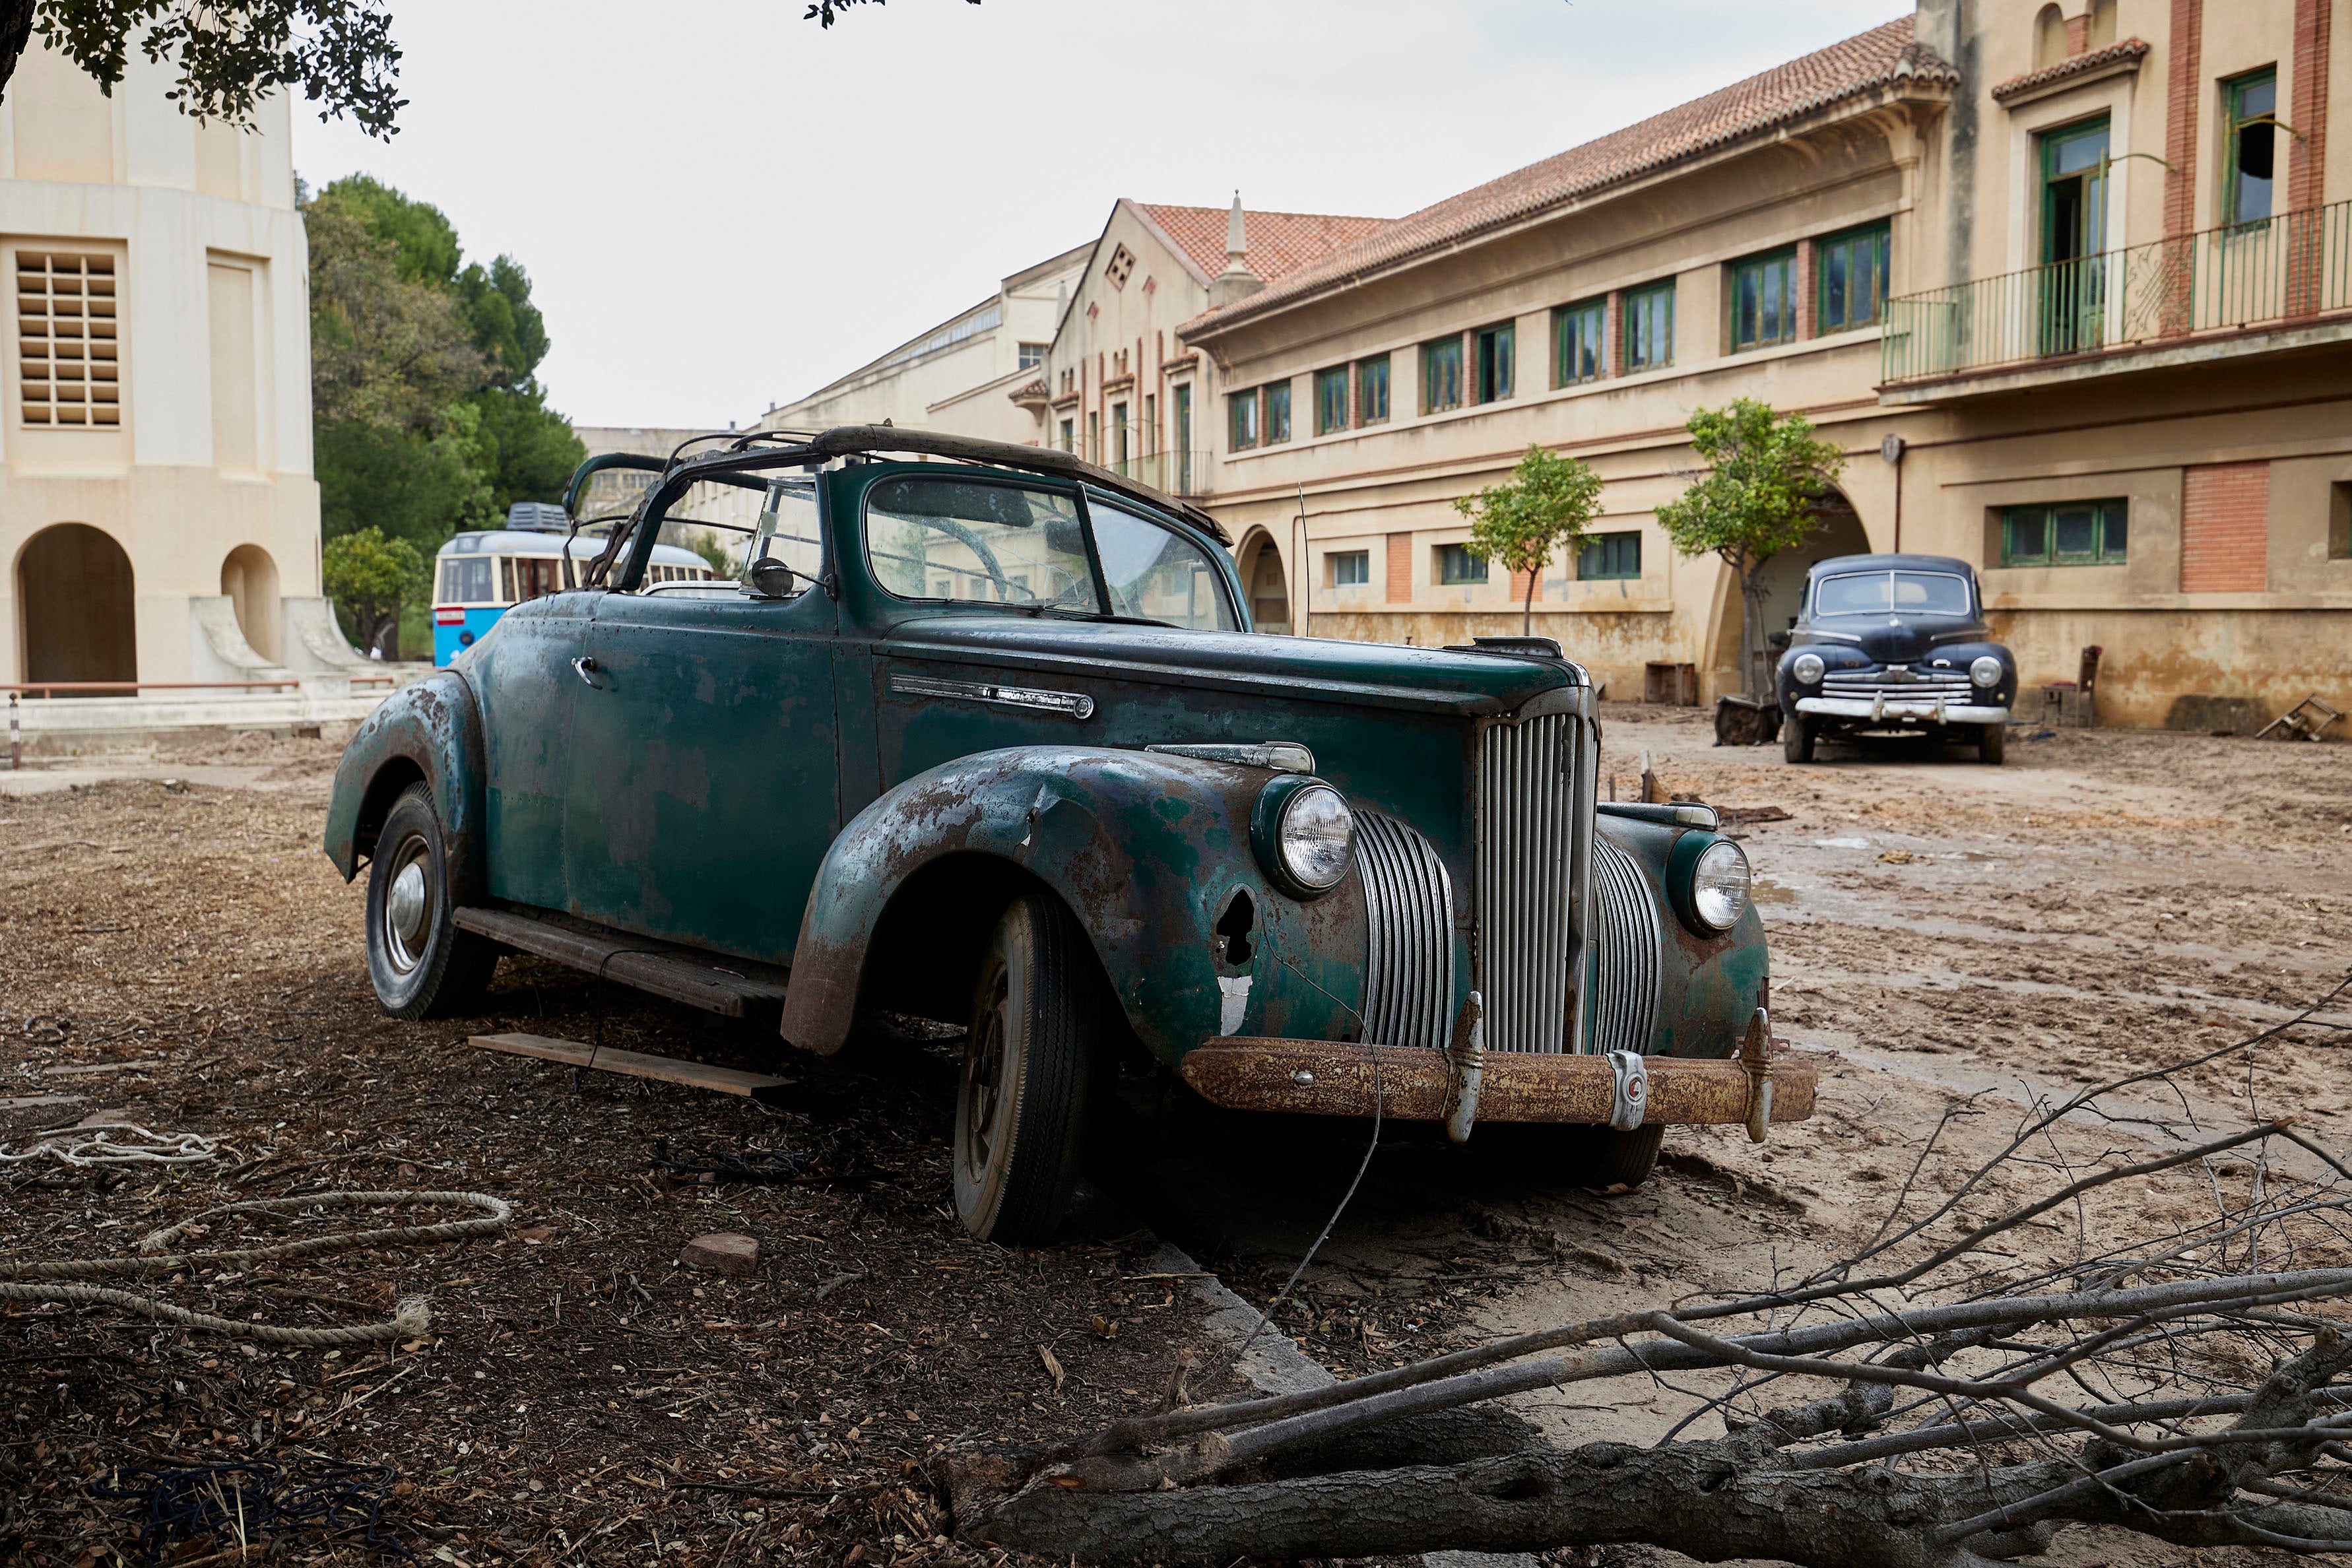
(824, 13)
(229, 54)
(372, 577)
(1540, 514)
(1761, 494)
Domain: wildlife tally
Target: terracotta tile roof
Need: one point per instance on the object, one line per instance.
(1279, 243)
(1882, 57)
(2113, 54)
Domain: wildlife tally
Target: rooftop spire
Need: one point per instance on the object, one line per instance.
(1237, 280)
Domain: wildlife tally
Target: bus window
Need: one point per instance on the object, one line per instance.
(466, 580)
(529, 576)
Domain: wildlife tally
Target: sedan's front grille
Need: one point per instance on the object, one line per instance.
(1626, 937)
(1408, 974)
(1527, 867)
(1952, 684)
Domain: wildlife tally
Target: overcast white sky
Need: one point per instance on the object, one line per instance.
(722, 207)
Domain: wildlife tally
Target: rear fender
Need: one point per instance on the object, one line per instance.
(1149, 852)
(430, 731)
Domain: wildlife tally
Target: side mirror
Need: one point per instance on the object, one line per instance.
(1776, 641)
(771, 579)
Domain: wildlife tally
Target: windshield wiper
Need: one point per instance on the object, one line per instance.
(1115, 620)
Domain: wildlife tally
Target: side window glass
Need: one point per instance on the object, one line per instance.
(786, 531)
(1156, 574)
(979, 543)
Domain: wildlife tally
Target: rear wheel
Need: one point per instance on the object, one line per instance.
(1797, 739)
(422, 965)
(1021, 1108)
(1991, 740)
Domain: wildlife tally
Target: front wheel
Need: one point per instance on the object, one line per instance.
(1021, 1107)
(422, 965)
(1990, 741)
(1797, 739)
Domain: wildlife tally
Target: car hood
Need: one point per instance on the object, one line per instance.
(1897, 639)
(1383, 675)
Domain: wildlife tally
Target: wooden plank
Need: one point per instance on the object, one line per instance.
(655, 967)
(634, 1063)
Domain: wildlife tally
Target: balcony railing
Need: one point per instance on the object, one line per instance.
(2275, 271)
(1176, 473)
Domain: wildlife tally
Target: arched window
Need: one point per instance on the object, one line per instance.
(2049, 37)
(249, 578)
(2102, 23)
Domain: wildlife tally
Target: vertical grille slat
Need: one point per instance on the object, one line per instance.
(1409, 973)
(1625, 973)
(1526, 864)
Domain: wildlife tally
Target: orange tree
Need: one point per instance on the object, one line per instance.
(1542, 512)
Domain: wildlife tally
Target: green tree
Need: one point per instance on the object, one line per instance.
(1766, 478)
(1542, 512)
(230, 54)
(371, 577)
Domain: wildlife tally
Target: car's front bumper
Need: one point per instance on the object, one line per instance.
(1333, 1077)
(1888, 710)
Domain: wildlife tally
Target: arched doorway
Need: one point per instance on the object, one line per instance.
(1782, 580)
(249, 578)
(74, 582)
(1266, 584)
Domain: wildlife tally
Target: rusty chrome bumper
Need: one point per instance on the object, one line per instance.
(1329, 1077)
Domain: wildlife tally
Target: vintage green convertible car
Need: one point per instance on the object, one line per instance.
(982, 736)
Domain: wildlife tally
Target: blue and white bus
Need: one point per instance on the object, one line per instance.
(479, 576)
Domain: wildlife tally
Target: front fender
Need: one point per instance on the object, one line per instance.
(1148, 851)
(430, 731)
(1709, 987)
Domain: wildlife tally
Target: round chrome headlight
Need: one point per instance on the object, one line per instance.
(1317, 837)
(1985, 671)
(1718, 893)
(1807, 668)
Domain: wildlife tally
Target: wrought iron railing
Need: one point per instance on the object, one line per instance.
(2272, 272)
(1176, 473)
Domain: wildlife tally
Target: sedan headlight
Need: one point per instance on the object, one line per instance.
(1985, 671)
(1305, 836)
(1708, 877)
(1807, 668)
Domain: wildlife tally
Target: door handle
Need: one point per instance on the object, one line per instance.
(586, 669)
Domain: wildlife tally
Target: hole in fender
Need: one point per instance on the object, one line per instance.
(1233, 928)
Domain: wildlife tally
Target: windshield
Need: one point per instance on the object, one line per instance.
(786, 531)
(1156, 575)
(1882, 592)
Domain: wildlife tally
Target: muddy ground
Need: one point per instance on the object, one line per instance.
(1941, 930)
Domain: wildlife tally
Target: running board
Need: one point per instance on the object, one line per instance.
(738, 990)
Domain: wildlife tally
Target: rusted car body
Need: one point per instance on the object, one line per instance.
(991, 742)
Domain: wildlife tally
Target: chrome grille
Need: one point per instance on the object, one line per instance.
(1527, 871)
(1409, 979)
(1625, 973)
(1952, 685)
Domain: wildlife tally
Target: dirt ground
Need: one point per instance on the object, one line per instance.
(1940, 931)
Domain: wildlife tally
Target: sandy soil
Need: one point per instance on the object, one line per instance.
(1941, 930)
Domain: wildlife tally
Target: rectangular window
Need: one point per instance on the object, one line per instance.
(1850, 279)
(1649, 327)
(1441, 375)
(1372, 390)
(1277, 412)
(1497, 351)
(1069, 435)
(1241, 421)
(1457, 564)
(1610, 555)
(1094, 438)
(1764, 300)
(1148, 436)
(2065, 533)
(1576, 353)
(1331, 400)
(2251, 161)
(1183, 396)
(1033, 355)
(69, 369)
(1118, 433)
(1351, 568)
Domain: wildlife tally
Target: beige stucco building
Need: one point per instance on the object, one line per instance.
(2085, 262)
(158, 518)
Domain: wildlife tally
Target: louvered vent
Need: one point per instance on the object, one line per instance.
(1625, 975)
(68, 368)
(1409, 977)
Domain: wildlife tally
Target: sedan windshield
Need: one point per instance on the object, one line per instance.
(1900, 593)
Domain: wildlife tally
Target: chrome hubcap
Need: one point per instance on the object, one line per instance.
(408, 907)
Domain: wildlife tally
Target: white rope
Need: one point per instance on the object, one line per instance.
(77, 1146)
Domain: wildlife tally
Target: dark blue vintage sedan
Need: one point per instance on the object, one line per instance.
(1891, 643)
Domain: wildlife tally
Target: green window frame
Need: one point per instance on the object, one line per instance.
(2066, 534)
(1241, 420)
(1649, 329)
(1441, 375)
(1277, 413)
(1762, 300)
(1351, 568)
(1331, 400)
(1496, 365)
(1607, 557)
(1069, 435)
(1849, 279)
(2250, 167)
(1372, 390)
(1579, 355)
(1455, 564)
